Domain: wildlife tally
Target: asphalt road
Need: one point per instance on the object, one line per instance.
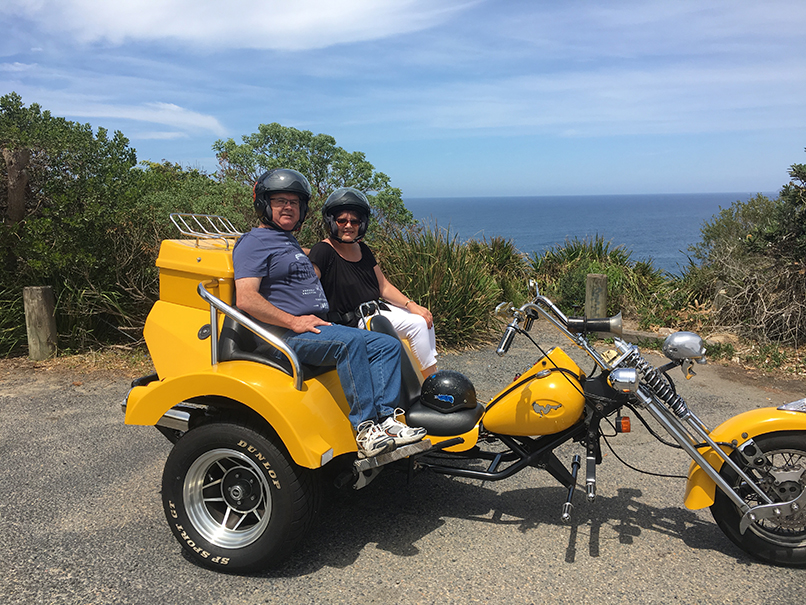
(81, 518)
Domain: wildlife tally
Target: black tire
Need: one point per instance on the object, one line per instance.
(234, 500)
(780, 541)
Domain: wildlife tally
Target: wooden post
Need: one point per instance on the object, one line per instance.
(40, 321)
(596, 296)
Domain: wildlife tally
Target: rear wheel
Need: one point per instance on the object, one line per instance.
(781, 540)
(234, 500)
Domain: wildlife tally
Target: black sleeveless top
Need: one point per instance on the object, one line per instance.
(346, 284)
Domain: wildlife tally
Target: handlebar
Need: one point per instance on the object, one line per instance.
(507, 338)
(580, 325)
(570, 327)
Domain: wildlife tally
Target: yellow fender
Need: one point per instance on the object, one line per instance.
(700, 488)
(311, 423)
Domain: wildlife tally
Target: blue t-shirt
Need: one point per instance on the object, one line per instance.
(288, 280)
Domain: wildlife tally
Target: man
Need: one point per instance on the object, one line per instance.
(276, 284)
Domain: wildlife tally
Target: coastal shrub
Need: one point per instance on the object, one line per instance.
(12, 321)
(751, 268)
(506, 264)
(433, 268)
(635, 288)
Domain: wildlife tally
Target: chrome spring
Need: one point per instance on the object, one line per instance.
(660, 386)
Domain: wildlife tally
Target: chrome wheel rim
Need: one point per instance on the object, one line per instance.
(227, 498)
(790, 531)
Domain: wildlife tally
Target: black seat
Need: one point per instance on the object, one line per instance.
(440, 424)
(237, 342)
(410, 376)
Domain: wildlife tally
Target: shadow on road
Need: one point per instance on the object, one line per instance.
(395, 516)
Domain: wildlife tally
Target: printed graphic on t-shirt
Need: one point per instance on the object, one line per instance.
(299, 270)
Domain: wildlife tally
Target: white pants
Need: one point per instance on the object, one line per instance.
(413, 328)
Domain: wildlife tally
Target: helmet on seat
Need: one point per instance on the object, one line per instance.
(448, 391)
(280, 180)
(346, 198)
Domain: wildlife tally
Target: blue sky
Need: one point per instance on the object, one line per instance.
(447, 97)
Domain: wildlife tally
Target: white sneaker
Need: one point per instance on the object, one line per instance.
(401, 433)
(373, 440)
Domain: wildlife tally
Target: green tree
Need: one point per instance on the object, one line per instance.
(62, 229)
(162, 189)
(326, 165)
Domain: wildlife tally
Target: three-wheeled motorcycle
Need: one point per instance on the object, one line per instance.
(254, 430)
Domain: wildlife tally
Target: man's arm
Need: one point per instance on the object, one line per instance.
(249, 299)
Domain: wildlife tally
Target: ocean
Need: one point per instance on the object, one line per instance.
(655, 227)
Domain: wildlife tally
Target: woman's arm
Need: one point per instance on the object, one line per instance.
(395, 297)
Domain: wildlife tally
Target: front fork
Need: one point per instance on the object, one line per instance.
(689, 431)
(686, 430)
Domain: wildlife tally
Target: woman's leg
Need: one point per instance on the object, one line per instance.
(422, 339)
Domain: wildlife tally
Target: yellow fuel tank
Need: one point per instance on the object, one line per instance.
(545, 400)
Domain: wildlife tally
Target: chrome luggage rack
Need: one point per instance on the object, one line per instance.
(205, 226)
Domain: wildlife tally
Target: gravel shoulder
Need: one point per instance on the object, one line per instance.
(81, 517)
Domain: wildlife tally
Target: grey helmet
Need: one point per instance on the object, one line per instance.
(280, 180)
(346, 198)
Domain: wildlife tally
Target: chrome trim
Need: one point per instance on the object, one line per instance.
(175, 419)
(794, 406)
(624, 380)
(205, 226)
(217, 305)
(771, 511)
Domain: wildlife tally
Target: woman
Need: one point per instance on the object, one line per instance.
(351, 276)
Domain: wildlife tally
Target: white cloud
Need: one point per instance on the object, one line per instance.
(158, 136)
(258, 24)
(155, 113)
(17, 67)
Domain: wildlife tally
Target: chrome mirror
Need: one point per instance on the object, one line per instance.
(503, 309)
(684, 345)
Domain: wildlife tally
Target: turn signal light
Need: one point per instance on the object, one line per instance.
(623, 424)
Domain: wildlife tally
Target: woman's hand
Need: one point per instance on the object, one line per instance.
(413, 307)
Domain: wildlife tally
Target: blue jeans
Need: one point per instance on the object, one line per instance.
(368, 365)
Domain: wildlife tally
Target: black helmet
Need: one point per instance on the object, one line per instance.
(448, 391)
(280, 180)
(346, 198)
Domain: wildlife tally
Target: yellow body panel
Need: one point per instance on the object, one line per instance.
(309, 422)
(534, 405)
(700, 487)
(172, 335)
(185, 263)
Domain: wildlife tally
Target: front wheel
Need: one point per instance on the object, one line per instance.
(781, 541)
(234, 500)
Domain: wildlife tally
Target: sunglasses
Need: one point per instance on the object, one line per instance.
(347, 221)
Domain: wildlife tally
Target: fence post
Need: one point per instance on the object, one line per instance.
(596, 296)
(40, 321)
